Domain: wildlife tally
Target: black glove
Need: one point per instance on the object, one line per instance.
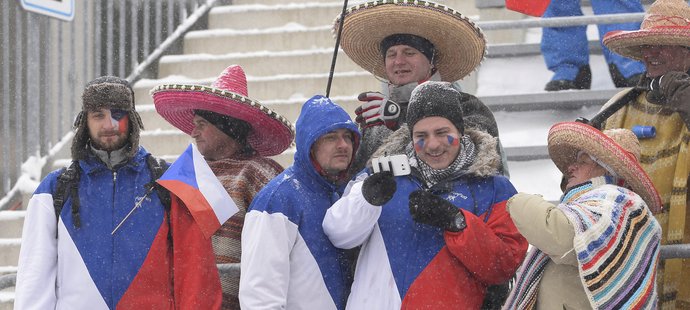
(654, 94)
(671, 91)
(379, 188)
(427, 208)
(376, 110)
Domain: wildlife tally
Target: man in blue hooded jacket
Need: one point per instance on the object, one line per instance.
(287, 260)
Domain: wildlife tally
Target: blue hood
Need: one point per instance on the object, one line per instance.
(319, 116)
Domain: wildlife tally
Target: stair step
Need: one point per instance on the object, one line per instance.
(266, 63)
(6, 300)
(9, 251)
(286, 38)
(562, 100)
(284, 86)
(253, 16)
(165, 142)
(8, 270)
(11, 223)
(289, 109)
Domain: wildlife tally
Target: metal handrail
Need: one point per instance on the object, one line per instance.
(561, 21)
(16, 189)
(170, 40)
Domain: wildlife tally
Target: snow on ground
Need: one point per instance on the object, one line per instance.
(529, 75)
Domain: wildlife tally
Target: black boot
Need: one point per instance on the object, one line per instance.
(583, 80)
(620, 81)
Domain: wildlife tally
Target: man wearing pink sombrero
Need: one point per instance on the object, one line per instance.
(599, 247)
(235, 134)
(405, 43)
(662, 101)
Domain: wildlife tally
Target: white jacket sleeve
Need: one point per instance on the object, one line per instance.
(351, 219)
(37, 270)
(267, 241)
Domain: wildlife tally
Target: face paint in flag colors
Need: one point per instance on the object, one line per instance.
(119, 119)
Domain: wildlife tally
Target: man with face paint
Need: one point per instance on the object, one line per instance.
(387, 39)
(113, 243)
(438, 237)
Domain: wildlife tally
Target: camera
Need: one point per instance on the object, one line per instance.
(398, 164)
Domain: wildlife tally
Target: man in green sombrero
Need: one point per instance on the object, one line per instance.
(405, 43)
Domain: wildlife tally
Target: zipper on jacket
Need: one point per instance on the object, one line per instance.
(112, 238)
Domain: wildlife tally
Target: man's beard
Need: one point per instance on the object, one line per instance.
(109, 146)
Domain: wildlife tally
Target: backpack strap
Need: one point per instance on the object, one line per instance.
(157, 167)
(67, 185)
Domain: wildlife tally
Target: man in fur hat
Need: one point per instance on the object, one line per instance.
(662, 100)
(235, 137)
(110, 244)
(388, 40)
(438, 237)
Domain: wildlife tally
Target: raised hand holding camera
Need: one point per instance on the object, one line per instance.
(379, 188)
(397, 164)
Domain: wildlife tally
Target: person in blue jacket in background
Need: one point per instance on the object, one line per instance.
(566, 49)
(287, 260)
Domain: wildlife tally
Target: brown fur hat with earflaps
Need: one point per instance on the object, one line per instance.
(108, 92)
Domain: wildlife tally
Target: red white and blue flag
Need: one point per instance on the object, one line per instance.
(191, 179)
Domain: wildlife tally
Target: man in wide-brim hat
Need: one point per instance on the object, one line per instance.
(405, 43)
(599, 247)
(662, 100)
(234, 134)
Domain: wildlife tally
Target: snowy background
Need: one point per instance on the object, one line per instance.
(529, 75)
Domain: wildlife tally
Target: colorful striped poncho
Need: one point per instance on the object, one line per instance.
(666, 158)
(617, 243)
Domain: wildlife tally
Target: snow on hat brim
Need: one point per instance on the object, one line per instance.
(460, 44)
(666, 23)
(566, 139)
(271, 133)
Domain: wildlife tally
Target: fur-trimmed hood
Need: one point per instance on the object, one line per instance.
(486, 163)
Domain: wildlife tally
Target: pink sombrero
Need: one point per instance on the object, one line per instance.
(271, 133)
(617, 148)
(666, 23)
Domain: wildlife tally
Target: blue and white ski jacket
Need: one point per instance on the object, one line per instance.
(404, 264)
(62, 266)
(287, 260)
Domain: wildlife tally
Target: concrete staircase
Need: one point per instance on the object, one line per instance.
(286, 49)
(11, 223)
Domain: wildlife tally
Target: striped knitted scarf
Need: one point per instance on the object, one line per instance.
(617, 246)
